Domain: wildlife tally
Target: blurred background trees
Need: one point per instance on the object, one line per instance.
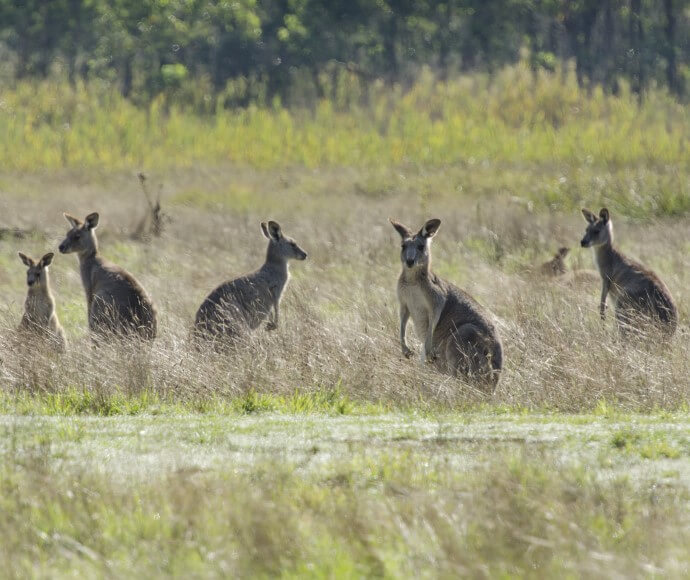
(235, 52)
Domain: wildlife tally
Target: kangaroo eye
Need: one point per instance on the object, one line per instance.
(420, 247)
(77, 236)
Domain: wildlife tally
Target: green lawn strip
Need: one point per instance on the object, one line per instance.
(394, 495)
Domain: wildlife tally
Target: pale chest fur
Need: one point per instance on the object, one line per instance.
(39, 309)
(420, 302)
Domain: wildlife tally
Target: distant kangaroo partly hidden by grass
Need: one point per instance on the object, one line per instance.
(243, 303)
(556, 265)
(458, 335)
(638, 293)
(557, 268)
(40, 320)
(116, 302)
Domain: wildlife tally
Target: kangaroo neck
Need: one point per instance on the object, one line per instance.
(416, 274)
(87, 261)
(275, 262)
(40, 291)
(603, 256)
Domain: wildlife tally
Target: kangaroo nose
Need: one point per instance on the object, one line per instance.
(61, 247)
(409, 263)
(584, 242)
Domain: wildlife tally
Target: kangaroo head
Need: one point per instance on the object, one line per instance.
(416, 248)
(280, 246)
(599, 229)
(36, 273)
(82, 237)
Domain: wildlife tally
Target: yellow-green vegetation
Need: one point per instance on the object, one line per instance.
(317, 449)
(516, 116)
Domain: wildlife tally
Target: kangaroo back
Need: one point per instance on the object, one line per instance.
(244, 303)
(116, 302)
(639, 294)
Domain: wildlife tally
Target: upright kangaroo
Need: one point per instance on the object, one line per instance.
(115, 301)
(244, 303)
(40, 319)
(459, 337)
(637, 291)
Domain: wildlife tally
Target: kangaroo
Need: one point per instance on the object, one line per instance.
(637, 291)
(459, 337)
(555, 266)
(116, 302)
(244, 303)
(40, 319)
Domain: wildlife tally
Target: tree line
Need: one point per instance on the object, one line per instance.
(268, 47)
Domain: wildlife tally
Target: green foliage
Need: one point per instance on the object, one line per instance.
(554, 143)
(257, 50)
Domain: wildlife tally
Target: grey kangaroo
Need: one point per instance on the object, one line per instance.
(116, 302)
(556, 265)
(40, 319)
(638, 292)
(556, 268)
(458, 335)
(244, 303)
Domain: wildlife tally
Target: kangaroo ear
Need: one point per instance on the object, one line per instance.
(590, 218)
(430, 228)
(604, 214)
(46, 260)
(28, 262)
(563, 252)
(404, 231)
(274, 232)
(91, 221)
(74, 222)
(264, 229)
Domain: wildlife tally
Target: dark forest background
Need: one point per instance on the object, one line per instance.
(266, 48)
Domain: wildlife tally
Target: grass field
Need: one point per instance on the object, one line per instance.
(318, 450)
(393, 495)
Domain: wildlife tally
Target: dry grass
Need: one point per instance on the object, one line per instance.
(339, 327)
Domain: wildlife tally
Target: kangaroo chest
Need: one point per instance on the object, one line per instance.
(419, 303)
(39, 309)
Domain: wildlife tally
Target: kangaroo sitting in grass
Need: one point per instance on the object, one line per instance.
(116, 302)
(458, 335)
(557, 268)
(638, 292)
(556, 265)
(40, 319)
(244, 303)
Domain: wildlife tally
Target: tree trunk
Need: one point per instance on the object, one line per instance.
(671, 65)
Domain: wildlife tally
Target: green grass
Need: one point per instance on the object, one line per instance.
(324, 496)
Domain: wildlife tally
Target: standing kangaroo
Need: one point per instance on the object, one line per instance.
(116, 302)
(244, 303)
(40, 319)
(459, 337)
(636, 290)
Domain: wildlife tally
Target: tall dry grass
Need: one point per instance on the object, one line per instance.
(339, 316)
